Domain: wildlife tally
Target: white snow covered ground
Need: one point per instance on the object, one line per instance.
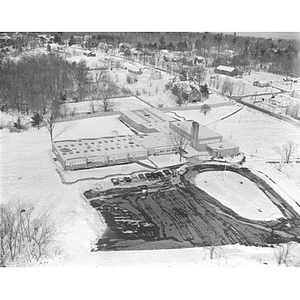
(238, 193)
(118, 104)
(92, 127)
(28, 172)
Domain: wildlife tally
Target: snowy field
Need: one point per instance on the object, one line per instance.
(91, 128)
(255, 133)
(238, 193)
(118, 104)
(214, 115)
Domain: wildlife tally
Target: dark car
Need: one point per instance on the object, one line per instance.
(141, 177)
(115, 181)
(149, 176)
(167, 172)
(127, 179)
(160, 174)
(154, 175)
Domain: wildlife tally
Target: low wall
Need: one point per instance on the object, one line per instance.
(229, 103)
(87, 116)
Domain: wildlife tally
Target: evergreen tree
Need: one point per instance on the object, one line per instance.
(72, 40)
(204, 91)
(37, 120)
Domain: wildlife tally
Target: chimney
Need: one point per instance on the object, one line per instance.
(195, 133)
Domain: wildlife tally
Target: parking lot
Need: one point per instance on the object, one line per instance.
(138, 178)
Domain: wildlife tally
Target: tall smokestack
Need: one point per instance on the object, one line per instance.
(195, 133)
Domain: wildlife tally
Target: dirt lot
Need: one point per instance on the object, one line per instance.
(181, 215)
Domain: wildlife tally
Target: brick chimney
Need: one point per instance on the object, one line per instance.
(195, 134)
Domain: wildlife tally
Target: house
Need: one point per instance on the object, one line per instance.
(134, 70)
(229, 71)
(190, 91)
(191, 94)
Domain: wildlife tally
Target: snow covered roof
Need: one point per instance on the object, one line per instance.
(225, 68)
(70, 149)
(153, 140)
(222, 145)
(147, 116)
(204, 132)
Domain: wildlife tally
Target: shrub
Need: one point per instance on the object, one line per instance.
(18, 126)
(37, 120)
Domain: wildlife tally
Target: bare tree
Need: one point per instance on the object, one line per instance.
(282, 253)
(212, 242)
(92, 105)
(180, 142)
(227, 86)
(24, 232)
(231, 88)
(218, 81)
(286, 151)
(51, 124)
(106, 104)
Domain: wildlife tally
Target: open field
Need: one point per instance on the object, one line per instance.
(118, 104)
(255, 133)
(238, 193)
(91, 128)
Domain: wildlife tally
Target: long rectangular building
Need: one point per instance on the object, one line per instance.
(88, 153)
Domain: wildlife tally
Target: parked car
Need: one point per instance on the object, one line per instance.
(160, 174)
(134, 178)
(149, 176)
(167, 172)
(142, 177)
(115, 181)
(127, 179)
(154, 175)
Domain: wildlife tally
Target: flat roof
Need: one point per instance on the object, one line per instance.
(70, 149)
(222, 145)
(147, 116)
(204, 132)
(154, 140)
(225, 68)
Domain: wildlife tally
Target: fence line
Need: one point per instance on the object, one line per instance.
(229, 103)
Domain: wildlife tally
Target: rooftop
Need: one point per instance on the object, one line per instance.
(153, 140)
(222, 145)
(204, 132)
(70, 149)
(225, 68)
(147, 116)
